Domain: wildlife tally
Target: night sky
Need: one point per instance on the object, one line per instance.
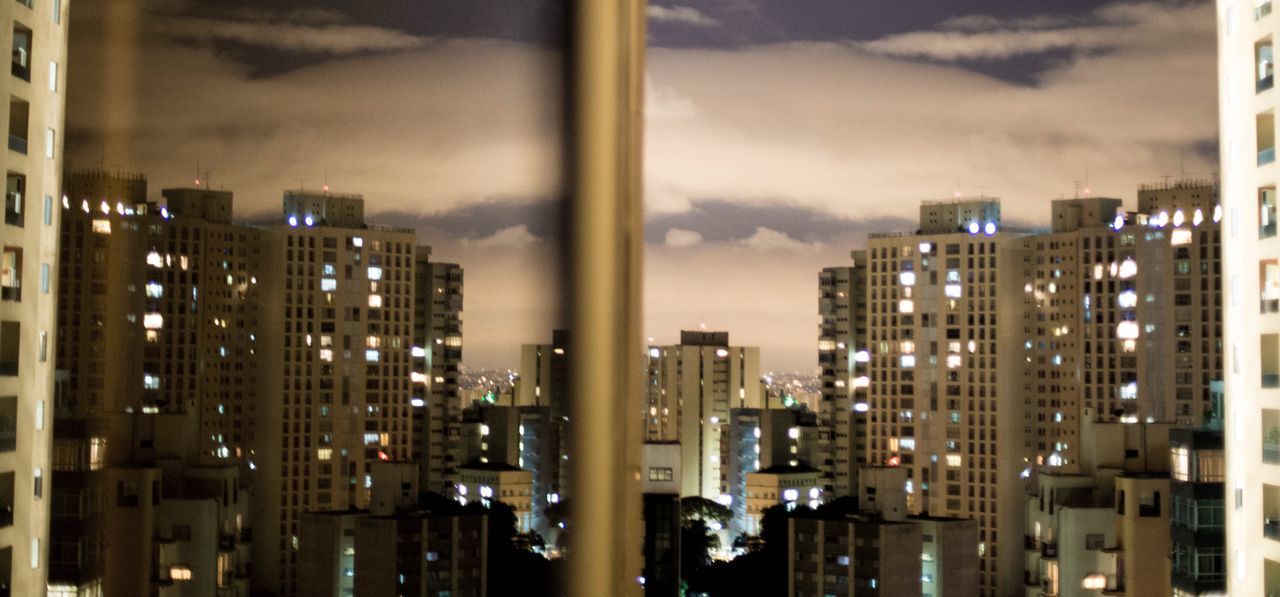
(779, 132)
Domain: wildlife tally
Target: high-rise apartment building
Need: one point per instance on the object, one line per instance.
(28, 252)
(1247, 33)
(1125, 314)
(437, 338)
(945, 372)
(699, 381)
(544, 382)
(156, 361)
(336, 352)
(842, 357)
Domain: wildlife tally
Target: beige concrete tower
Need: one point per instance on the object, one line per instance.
(701, 379)
(336, 351)
(32, 162)
(843, 358)
(946, 390)
(1247, 32)
(437, 341)
(1126, 314)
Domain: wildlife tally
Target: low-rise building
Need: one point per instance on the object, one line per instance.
(1105, 529)
(481, 481)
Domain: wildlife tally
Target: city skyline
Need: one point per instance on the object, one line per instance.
(1049, 97)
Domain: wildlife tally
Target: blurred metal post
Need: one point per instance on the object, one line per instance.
(606, 244)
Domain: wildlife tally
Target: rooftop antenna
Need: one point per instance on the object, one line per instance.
(197, 172)
(1079, 186)
(1086, 182)
(1182, 164)
(326, 180)
(957, 187)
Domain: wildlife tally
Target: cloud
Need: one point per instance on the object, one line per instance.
(767, 239)
(307, 35)
(681, 238)
(681, 15)
(515, 237)
(797, 148)
(836, 129)
(983, 37)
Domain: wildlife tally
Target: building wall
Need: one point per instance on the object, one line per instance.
(544, 382)
(947, 380)
(437, 333)
(326, 551)
(1246, 104)
(842, 357)
(700, 380)
(335, 389)
(1143, 532)
(26, 376)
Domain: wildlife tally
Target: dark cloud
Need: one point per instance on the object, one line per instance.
(542, 219)
(721, 221)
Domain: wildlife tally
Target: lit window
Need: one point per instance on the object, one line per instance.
(153, 321)
(324, 454)
(326, 355)
(180, 572)
(155, 290)
(102, 226)
(1096, 581)
(375, 300)
(151, 382)
(328, 284)
(953, 460)
(371, 356)
(953, 291)
(375, 273)
(906, 306)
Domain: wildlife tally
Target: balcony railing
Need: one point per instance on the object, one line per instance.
(1048, 550)
(1271, 380)
(19, 144)
(1265, 156)
(1265, 83)
(1271, 529)
(1261, 10)
(10, 293)
(1271, 453)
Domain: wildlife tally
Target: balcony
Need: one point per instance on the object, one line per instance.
(10, 331)
(1049, 551)
(1271, 453)
(1271, 529)
(1265, 83)
(1266, 156)
(1269, 360)
(1262, 9)
(21, 52)
(1029, 543)
(10, 274)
